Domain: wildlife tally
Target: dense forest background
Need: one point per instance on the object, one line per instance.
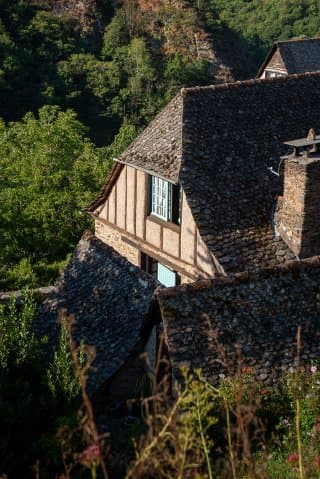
(80, 79)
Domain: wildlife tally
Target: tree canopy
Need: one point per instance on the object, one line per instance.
(71, 79)
(49, 171)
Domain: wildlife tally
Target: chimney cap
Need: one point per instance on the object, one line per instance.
(304, 141)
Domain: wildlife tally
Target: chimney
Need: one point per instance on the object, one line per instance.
(298, 218)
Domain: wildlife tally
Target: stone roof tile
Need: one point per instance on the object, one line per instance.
(258, 313)
(158, 148)
(111, 301)
(235, 133)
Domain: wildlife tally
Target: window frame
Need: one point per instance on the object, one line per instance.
(269, 73)
(164, 196)
(151, 266)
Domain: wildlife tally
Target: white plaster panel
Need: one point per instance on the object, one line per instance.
(171, 242)
(188, 233)
(104, 212)
(185, 279)
(140, 204)
(131, 199)
(121, 199)
(153, 233)
(204, 261)
(112, 206)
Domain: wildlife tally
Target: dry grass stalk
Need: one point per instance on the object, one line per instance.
(87, 422)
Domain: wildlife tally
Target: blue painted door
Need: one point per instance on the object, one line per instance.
(165, 276)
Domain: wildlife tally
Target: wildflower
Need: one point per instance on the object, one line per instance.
(89, 456)
(265, 392)
(293, 458)
(313, 369)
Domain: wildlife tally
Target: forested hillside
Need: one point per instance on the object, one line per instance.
(79, 79)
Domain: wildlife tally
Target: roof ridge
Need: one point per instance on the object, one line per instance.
(251, 81)
(296, 40)
(245, 276)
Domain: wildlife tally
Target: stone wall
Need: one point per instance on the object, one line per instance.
(258, 314)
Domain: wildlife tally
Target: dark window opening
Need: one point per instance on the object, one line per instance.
(162, 273)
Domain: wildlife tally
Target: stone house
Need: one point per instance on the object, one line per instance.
(291, 57)
(206, 196)
(195, 195)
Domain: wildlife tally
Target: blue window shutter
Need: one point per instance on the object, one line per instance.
(165, 276)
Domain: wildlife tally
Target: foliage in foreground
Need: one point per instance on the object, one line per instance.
(239, 430)
(30, 414)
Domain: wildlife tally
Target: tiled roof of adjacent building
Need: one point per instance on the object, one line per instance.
(111, 300)
(257, 313)
(299, 56)
(220, 142)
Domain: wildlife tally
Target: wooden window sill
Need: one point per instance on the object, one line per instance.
(165, 224)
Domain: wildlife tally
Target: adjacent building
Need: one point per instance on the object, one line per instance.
(291, 57)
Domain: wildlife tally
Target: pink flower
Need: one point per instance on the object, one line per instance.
(293, 458)
(313, 369)
(90, 455)
(94, 449)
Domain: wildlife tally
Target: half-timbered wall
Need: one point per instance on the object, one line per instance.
(123, 223)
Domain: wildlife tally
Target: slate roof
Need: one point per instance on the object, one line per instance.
(299, 56)
(158, 149)
(226, 139)
(111, 300)
(256, 313)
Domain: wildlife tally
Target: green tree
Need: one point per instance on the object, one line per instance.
(49, 171)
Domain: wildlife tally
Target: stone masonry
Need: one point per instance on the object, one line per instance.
(298, 219)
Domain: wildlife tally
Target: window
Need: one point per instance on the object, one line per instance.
(274, 74)
(165, 200)
(164, 275)
(160, 198)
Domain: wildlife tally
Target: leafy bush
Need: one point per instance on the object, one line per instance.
(29, 413)
(61, 378)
